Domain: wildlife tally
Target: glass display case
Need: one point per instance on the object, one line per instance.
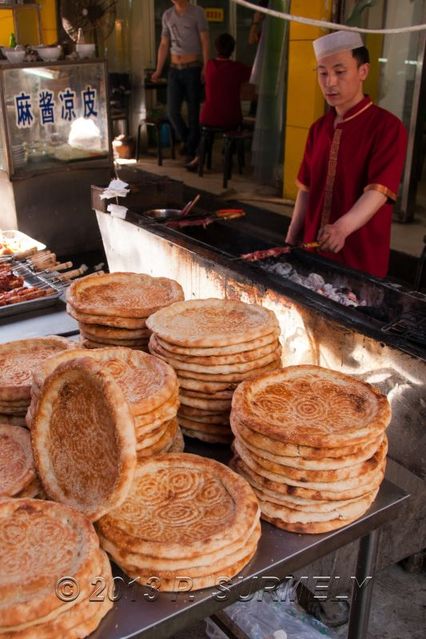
(53, 116)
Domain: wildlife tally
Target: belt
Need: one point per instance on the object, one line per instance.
(185, 65)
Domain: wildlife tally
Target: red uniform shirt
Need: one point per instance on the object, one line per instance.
(223, 80)
(365, 151)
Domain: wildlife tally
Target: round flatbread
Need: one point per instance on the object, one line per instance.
(96, 332)
(312, 406)
(231, 349)
(106, 320)
(123, 294)
(83, 438)
(212, 322)
(42, 542)
(17, 469)
(182, 506)
(214, 360)
(146, 381)
(19, 359)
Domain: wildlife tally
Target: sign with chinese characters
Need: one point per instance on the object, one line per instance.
(215, 15)
(50, 108)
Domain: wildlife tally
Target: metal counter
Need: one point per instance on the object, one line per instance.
(314, 330)
(141, 612)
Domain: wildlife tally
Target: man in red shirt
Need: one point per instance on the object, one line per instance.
(352, 165)
(223, 80)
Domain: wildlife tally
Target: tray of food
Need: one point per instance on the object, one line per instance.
(22, 290)
(14, 242)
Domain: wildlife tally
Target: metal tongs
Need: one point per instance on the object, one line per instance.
(274, 252)
(222, 214)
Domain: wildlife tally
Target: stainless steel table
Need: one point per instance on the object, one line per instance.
(143, 613)
(53, 320)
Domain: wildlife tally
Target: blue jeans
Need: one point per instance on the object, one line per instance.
(184, 85)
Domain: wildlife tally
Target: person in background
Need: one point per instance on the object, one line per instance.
(255, 30)
(223, 81)
(185, 33)
(352, 165)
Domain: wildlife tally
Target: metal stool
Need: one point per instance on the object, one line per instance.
(157, 124)
(233, 141)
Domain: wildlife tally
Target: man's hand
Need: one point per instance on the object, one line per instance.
(155, 76)
(332, 238)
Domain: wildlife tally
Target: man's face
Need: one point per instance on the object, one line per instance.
(340, 79)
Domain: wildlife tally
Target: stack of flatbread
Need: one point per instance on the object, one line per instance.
(17, 471)
(187, 522)
(149, 387)
(312, 444)
(112, 308)
(49, 559)
(17, 361)
(213, 345)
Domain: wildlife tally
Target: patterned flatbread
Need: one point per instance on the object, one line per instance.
(17, 469)
(19, 359)
(42, 542)
(211, 323)
(312, 406)
(123, 294)
(83, 437)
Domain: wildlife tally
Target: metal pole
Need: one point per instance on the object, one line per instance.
(363, 586)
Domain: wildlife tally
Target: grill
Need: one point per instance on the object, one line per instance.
(410, 326)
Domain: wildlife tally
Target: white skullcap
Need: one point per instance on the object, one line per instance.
(335, 42)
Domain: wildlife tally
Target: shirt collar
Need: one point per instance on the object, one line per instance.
(359, 108)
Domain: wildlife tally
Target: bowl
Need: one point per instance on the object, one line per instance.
(16, 56)
(86, 50)
(49, 54)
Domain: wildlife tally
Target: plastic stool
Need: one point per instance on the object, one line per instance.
(157, 124)
(233, 141)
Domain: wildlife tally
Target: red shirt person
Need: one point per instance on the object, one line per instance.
(223, 80)
(352, 164)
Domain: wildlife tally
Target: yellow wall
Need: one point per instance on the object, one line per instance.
(26, 23)
(304, 99)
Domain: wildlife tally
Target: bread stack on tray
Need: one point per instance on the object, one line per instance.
(187, 523)
(18, 359)
(49, 559)
(312, 444)
(112, 308)
(17, 471)
(149, 387)
(213, 345)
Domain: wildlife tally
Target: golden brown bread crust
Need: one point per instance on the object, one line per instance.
(309, 475)
(83, 438)
(181, 505)
(213, 360)
(331, 492)
(274, 446)
(146, 381)
(41, 542)
(18, 360)
(113, 321)
(312, 406)
(123, 294)
(231, 349)
(211, 323)
(17, 470)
